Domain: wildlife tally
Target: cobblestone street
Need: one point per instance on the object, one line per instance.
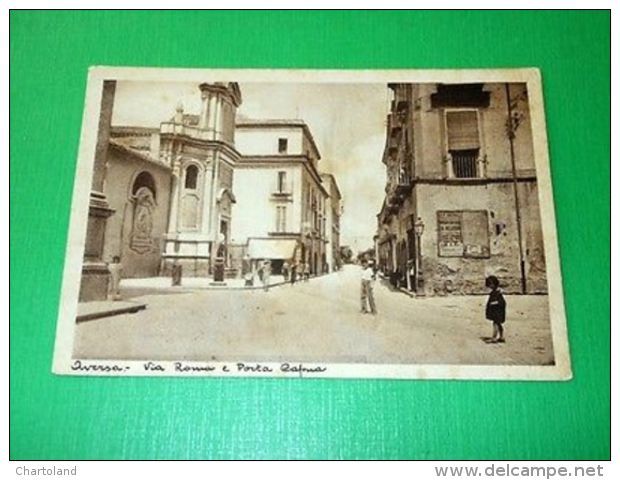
(318, 320)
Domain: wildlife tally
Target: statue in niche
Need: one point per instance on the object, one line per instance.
(141, 240)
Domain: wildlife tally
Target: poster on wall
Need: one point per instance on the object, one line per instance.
(299, 223)
(450, 242)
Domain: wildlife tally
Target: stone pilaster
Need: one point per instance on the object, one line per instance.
(95, 273)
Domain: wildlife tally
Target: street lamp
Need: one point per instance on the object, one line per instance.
(418, 228)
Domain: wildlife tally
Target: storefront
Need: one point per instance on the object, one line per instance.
(276, 250)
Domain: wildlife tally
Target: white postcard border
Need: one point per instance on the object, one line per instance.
(64, 363)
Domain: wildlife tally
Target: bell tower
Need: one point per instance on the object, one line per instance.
(200, 150)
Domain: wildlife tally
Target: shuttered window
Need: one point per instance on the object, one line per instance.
(462, 130)
(463, 142)
(280, 218)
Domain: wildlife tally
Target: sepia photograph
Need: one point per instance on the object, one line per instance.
(365, 224)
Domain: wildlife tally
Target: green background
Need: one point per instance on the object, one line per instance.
(56, 417)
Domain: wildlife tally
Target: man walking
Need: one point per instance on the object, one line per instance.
(366, 293)
(266, 274)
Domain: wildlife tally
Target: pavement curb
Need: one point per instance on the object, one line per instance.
(190, 288)
(95, 310)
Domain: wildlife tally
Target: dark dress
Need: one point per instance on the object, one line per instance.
(496, 307)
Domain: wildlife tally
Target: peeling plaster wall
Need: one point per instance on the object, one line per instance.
(461, 275)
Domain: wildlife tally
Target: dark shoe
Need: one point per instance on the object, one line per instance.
(500, 340)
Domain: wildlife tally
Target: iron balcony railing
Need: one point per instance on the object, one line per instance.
(466, 164)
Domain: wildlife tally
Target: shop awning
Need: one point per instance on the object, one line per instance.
(272, 248)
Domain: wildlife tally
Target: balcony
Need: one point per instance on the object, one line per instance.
(398, 188)
(392, 208)
(465, 164)
(402, 109)
(282, 191)
(403, 182)
(393, 144)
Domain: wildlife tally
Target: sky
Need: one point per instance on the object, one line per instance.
(347, 122)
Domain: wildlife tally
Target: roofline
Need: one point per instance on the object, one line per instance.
(275, 158)
(270, 122)
(333, 179)
(275, 123)
(129, 130)
(125, 149)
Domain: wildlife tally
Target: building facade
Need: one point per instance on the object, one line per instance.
(280, 214)
(333, 212)
(461, 196)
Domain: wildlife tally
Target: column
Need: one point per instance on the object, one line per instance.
(95, 273)
(211, 117)
(207, 203)
(173, 226)
(204, 109)
(217, 127)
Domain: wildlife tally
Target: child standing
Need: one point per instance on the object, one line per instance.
(496, 309)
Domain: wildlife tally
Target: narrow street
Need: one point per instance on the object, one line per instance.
(318, 320)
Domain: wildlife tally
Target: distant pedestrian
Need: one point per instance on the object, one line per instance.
(259, 270)
(300, 271)
(303, 272)
(495, 310)
(177, 274)
(248, 273)
(293, 273)
(116, 271)
(285, 270)
(266, 274)
(367, 295)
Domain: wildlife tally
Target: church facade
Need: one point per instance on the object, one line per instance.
(202, 156)
(174, 200)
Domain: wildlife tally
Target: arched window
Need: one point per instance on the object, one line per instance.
(191, 177)
(144, 179)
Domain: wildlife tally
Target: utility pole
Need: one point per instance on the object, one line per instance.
(511, 128)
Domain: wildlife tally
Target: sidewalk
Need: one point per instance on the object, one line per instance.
(201, 283)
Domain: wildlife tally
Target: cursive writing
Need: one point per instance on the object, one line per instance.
(301, 368)
(77, 365)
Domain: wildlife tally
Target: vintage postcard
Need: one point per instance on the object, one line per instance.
(309, 223)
